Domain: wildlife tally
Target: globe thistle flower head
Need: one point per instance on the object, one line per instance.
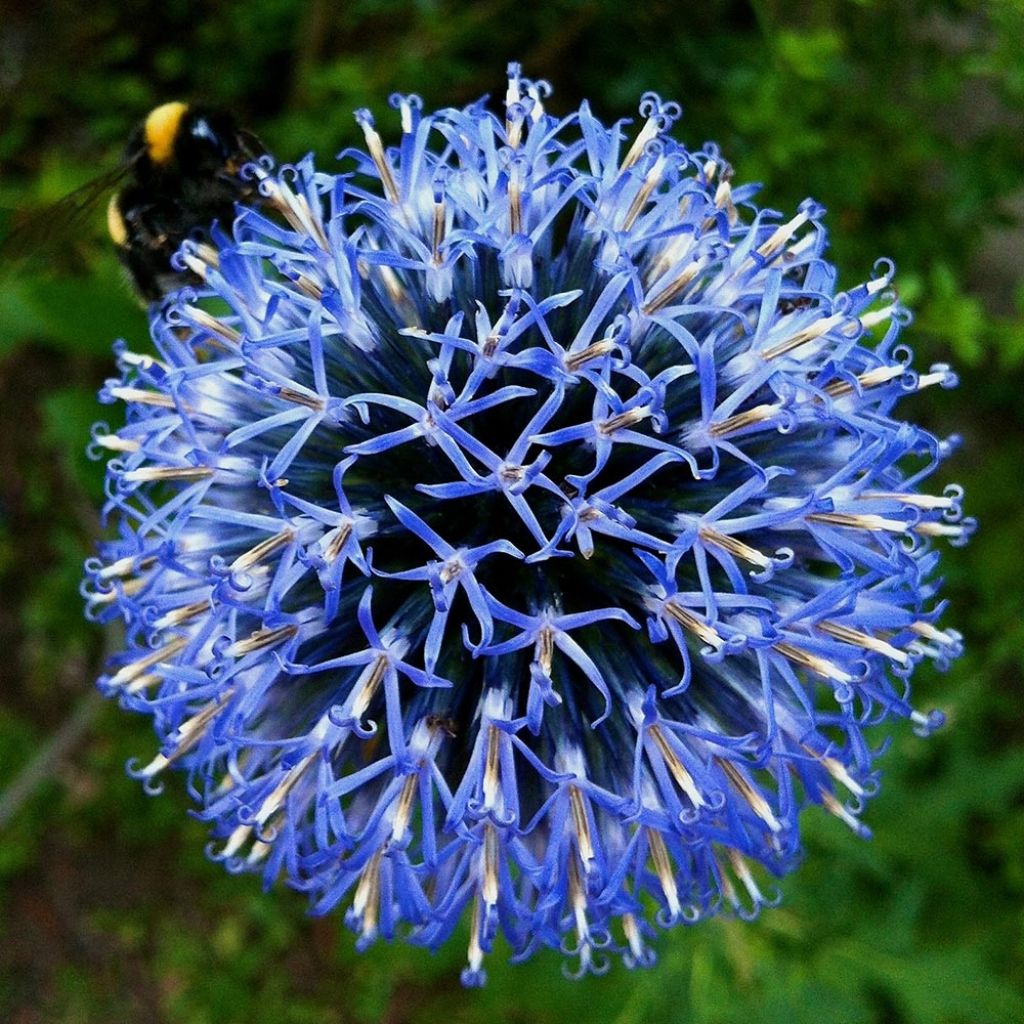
(515, 529)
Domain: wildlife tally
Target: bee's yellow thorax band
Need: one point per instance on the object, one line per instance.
(161, 129)
(115, 222)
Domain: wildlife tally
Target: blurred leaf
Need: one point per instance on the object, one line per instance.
(68, 416)
(76, 315)
(956, 318)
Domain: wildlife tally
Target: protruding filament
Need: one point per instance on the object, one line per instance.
(150, 474)
(339, 538)
(126, 565)
(369, 687)
(142, 360)
(663, 869)
(134, 669)
(403, 809)
(929, 632)
(723, 200)
(650, 183)
(143, 397)
(781, 235)
(735, 547)
(491, 766)
(839, 772)
(201, 318)
(177, 616)
(645, 135)
(758, 804)
(865, 640)
(833, 806)
(582, 826)
(144, 682)
(313, 402)
(628, 418)
(129, 588)
(475, 952)
(695, 625)
(667, 294)
(438, 233)
(260, 551)
(857, 521)
(513, 98)
(280, 793)
(545, 651)
(940, 529)
(380, 159)
(366, 899)
(489, 883)
(260, 639)
(802, 337)
(739, 865)
(869, 379)
(515, 200)
(634, 939)
(575, 360)
(877, 316)
(925, 501)
(676, 768)
(115, 443)
(190, 732)
(820, 666)
(741, 420)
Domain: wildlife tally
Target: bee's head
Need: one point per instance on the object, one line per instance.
(193, 140)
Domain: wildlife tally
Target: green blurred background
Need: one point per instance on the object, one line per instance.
(904, 118)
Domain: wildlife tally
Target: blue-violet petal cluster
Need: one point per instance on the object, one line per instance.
(516, 529)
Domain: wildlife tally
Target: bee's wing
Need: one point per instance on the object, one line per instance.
(46, 228)
(251, 144)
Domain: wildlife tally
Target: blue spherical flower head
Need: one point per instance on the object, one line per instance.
(515, 529)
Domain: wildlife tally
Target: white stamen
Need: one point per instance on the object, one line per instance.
(380, 159)
(366, 899)
(262, 550)
(115, 443)
(663, 869)
(758, 804)
(650, 183)
(735, 547)
(142, 397)
(489, 884)
(149, 474)
(820, 666)
(865, 640)
(260, 639)
(804, 335)
(176, 616)
(859, 521)
(276, 799)
(575, 360)
(135, 668)
(741, 420)
(582, 826)
(676, 768)
(833, 806)
(695, 625)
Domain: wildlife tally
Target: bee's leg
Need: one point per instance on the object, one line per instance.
(146, 254)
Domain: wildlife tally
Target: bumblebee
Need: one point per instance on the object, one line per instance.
(184, 164)
(180, 172)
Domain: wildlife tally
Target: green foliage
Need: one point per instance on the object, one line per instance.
(904, 119)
